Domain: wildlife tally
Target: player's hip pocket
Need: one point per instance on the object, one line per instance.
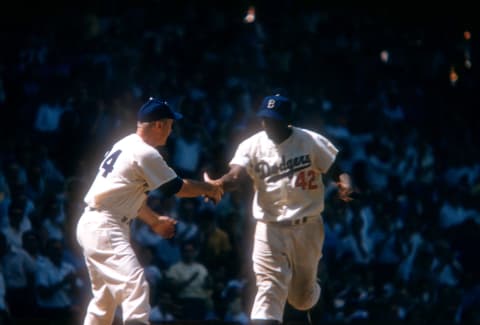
(94, 240)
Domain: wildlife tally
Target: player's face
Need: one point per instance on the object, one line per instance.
(164, 130)
(275, 129)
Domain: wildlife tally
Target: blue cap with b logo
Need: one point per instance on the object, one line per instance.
(276, 107)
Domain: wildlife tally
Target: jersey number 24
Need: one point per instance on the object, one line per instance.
(108, 163)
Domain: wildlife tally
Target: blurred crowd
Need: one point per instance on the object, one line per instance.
(397, 95)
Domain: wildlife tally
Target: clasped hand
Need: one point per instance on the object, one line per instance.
(216, 192)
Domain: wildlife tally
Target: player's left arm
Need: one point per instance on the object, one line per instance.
(327, 158)
(342, 179)
(162, 225)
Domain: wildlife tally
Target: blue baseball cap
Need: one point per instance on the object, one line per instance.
(276, 107)
(156, 109)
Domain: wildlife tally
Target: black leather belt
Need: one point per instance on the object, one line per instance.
(295, 222)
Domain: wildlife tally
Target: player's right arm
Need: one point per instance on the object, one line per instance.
(193, 188)
(237, 173)
(156, 171)
(231, 180)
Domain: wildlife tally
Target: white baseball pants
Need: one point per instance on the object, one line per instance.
(285, 262)
(116, 276)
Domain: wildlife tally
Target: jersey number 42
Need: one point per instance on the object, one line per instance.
(306, 180)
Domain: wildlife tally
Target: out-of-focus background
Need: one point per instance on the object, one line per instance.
(395, 88)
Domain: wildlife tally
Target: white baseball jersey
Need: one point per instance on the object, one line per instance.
(287, 176)
(128, 172)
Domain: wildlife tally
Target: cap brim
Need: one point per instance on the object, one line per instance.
(177, 116)
(268, 113)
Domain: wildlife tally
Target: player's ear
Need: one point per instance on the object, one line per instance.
(159, 124)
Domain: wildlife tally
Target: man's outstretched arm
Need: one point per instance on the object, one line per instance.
(229, 181)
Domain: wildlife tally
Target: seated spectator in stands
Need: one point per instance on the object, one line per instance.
(18, 223)
(160, 298)
(187, 229)
(412, 243)
(352, 240)
(19, 193)
(190, 283)
(42, 172)
(468, 312)
(445, 267)
(187, 151)
(53, 219)
(163, 309)
(16, 174)
(233, 298)
(153, 274)
(56, 285)
(18, 269)
(32, 245)
(4, 199)
(47, 118)
(4, 312)
(214, 248)
(453, 212)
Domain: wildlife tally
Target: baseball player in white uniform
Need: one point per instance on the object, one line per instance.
(131, 169)
(286, 164)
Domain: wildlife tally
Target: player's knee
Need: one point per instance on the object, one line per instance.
(305, 301)
(301, 304)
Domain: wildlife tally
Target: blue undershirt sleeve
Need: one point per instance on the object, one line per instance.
(171, 187)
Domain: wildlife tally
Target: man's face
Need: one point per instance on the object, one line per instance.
(273, 127)
(164, 130)
(16, 216)
(189, 253)
(55, 252)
